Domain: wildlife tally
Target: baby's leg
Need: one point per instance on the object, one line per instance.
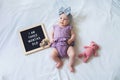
(71, 54)
(55, 57)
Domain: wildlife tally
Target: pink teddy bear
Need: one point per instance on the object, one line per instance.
(89, 51)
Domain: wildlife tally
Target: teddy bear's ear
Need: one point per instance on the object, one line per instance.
(92, 42)
(97, 46)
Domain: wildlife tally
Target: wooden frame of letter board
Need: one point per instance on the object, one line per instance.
(37, 49)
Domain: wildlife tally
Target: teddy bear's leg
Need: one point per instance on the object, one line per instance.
(84, 55)
(80, 55)
(95, 54)
(86, 59)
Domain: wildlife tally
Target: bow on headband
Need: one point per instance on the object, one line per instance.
(62, 10)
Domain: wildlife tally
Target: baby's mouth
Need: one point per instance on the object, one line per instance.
(61, 22)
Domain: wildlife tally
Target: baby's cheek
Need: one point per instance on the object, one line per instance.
(66, 23)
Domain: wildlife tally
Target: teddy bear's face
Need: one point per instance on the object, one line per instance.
(94, 45)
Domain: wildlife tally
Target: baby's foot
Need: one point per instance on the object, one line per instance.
(59, 64)
(71, 69)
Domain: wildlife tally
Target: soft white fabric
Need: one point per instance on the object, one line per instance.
(94, 20)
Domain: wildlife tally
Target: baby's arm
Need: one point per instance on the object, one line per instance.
(72, 38)
(51, 37)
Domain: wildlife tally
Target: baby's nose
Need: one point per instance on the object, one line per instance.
(62, 19)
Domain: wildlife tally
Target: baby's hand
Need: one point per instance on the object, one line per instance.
(69, 41)
(51, 41)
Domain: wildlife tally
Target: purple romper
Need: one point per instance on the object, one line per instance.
(61, 36)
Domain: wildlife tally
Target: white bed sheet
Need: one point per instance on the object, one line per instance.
(93, 20)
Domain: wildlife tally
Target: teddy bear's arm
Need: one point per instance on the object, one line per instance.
(86, 46)
(95, 53)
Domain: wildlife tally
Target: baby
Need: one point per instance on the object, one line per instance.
(62, 39)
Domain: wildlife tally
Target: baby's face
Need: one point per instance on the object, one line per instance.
(63, 20)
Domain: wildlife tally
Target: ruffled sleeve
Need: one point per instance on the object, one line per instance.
(70, 27)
